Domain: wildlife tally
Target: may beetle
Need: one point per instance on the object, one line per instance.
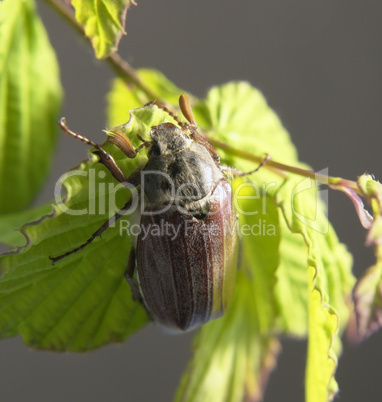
(185, 280)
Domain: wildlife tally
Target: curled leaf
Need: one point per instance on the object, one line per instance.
(368, 290)
(367, 294)
(368, 303)
(372, 190)
(363, 214)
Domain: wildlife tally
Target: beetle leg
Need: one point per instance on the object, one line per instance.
(129, 275)
(239, 251)
(185, 107)
(167, 110)
(237, 173)
(99, 232)
(109, 162)
(201, 139)
(67, 130)
(145, 144)
(133, 283)
(104, 157)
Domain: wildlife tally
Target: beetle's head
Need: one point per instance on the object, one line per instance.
(168, 139)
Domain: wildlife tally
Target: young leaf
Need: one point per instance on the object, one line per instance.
(329, 277)
(82, 301)
(239, 115)
(289, 255)
(104, 22)
(368, 290)
(123, 97)
(368, 302)
(239, 350)
(30, 96)
(232, 359)
(322, 361)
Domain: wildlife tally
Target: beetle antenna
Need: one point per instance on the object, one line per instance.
(168, 111)
(66, 130)
(123, 142)
(185, 107)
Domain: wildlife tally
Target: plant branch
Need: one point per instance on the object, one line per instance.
(127, 73)
(271, 164)
(115, 61)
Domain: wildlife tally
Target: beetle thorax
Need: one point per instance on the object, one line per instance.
(179, 171)
(167, 140)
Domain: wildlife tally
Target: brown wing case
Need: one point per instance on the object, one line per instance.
(189, 264)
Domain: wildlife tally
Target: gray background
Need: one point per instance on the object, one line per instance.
(319, 65)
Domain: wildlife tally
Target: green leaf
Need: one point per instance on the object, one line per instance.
(367, 293)
(368, 302)
(9, 224)
(83, 301)
(124, 97)
(230, 352)
(290, 256)
(238, 351)
(104, 22)
(368, 290)
(30, 97)
(322, 361)
(330, 277)
(272, 254)
(237, 114)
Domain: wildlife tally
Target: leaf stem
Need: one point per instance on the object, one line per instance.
(115, 61)
(328, 180)
(127, 73)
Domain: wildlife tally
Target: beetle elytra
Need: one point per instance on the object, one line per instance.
(187, 279)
